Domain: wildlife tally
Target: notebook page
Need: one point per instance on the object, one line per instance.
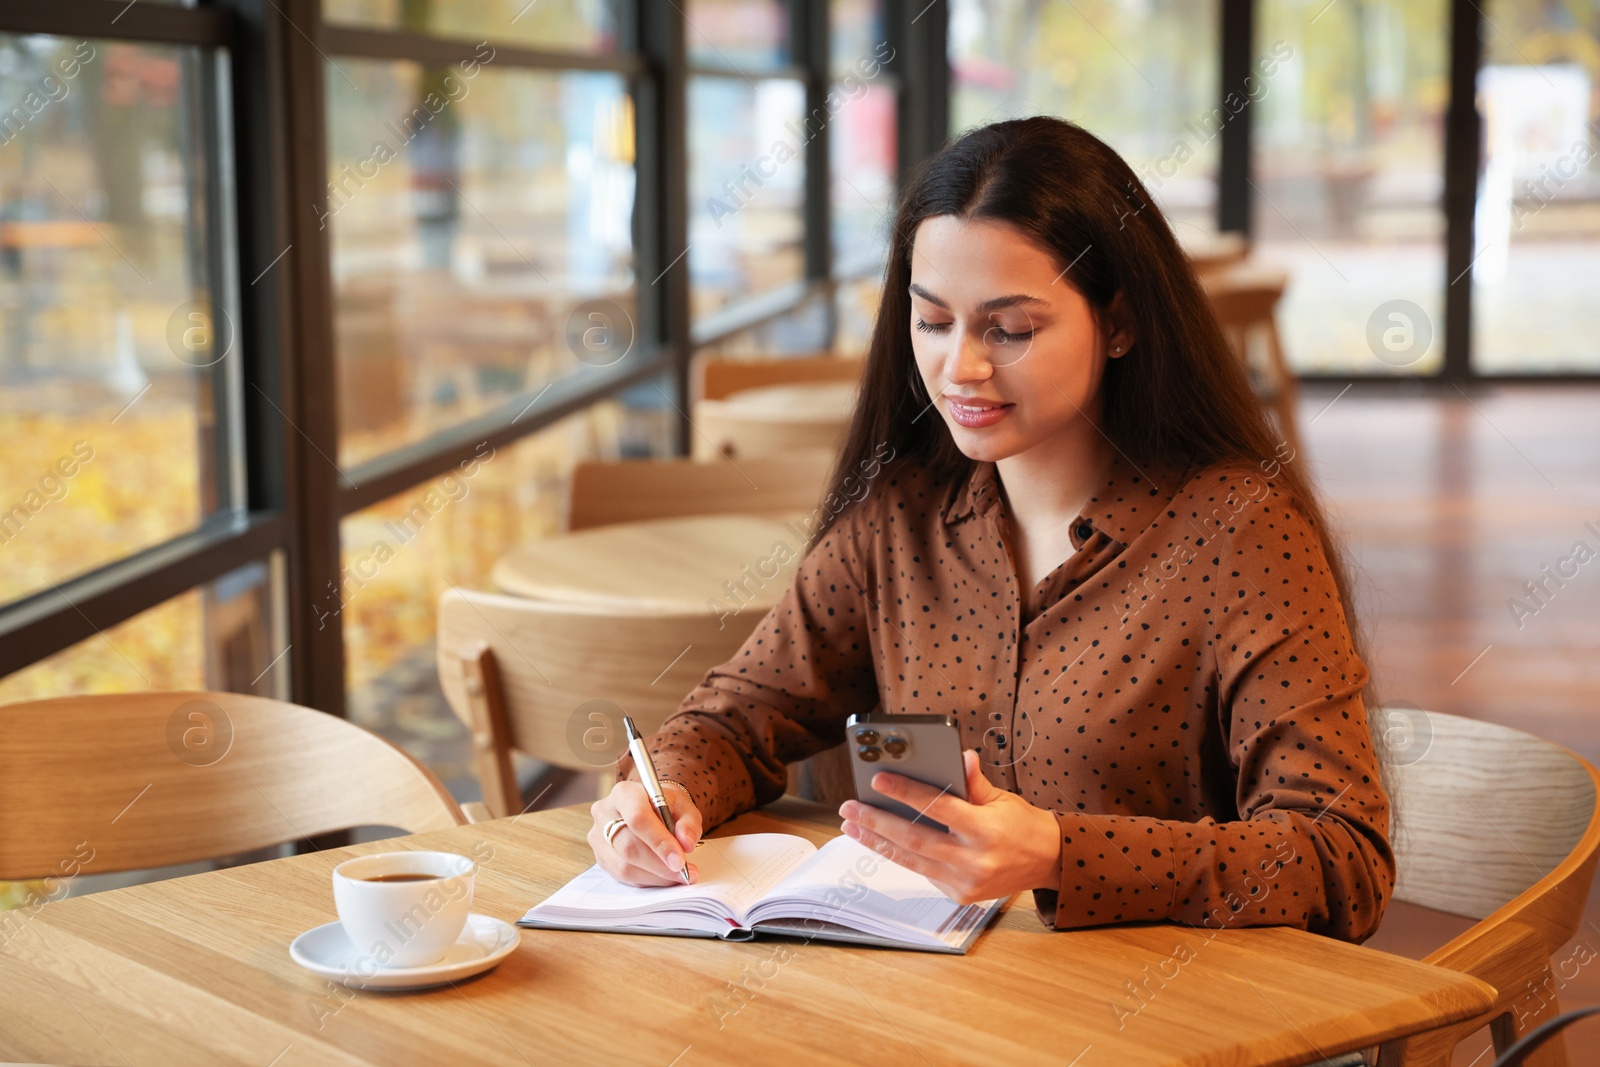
(733, 871)
(745, 867)
(847, 883)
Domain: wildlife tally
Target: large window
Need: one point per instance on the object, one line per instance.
(1349, 180)
(116, 321)
(1424, 169)
(794, 158)
(738, 34)
(130, 553)
(1538, 206)
(1141, 76)
(747, 136)
(472, 209)
(865, 163)
(746, 185)
(863, 155)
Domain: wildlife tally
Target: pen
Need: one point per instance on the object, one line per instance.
(652, 784)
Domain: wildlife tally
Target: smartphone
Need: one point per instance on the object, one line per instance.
(924, 747)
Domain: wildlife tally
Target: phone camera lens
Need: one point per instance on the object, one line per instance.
(869, 754)
(895, 746)
(867, 737)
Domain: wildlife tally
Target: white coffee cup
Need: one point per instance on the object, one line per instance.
(404, 909)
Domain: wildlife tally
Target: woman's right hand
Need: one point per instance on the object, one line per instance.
(641, 852)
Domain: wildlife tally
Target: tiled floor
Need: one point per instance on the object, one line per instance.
(1449, 504)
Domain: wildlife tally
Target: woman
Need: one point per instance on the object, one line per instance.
(1081, 537)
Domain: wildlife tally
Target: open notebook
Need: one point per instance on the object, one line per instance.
(778, 884)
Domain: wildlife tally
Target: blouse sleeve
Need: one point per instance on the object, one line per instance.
(1310, 847)
(785, 695)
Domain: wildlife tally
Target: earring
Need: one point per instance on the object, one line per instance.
(1117, 349)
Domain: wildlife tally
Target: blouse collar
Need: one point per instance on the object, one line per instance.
(1129, 499)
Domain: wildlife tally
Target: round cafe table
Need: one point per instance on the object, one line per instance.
(700, 563)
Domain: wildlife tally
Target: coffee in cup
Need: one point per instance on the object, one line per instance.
(404, 909)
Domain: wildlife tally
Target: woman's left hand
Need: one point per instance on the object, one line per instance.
(998, 843)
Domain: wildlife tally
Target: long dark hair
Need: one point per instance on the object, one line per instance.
(1179, 398)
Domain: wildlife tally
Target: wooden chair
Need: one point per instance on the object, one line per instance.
(725, 425)
(1245, 300)
(722, 430)
(635, 490)
(551, 680)
(714, 378)
(123, 782)
(1496, 825)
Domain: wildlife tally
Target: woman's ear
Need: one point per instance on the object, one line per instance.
(1121, 335)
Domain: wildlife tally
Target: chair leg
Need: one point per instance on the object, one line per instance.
(1285, 389)
(1526, 1015)
(1284, 409)
(1433, 1049)
(491, 738)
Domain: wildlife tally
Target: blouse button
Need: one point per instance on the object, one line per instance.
(1084, 531)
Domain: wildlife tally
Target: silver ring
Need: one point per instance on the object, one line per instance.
(610, 830)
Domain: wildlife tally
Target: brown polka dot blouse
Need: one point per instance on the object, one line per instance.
(1187, 699)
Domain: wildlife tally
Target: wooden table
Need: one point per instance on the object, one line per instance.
(197, 970)
(660, 565)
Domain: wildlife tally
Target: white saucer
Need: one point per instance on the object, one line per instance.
(328, 951)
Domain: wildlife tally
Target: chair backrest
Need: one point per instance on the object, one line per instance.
(715, 378)
(635, 490)
(152, 779)
(556, 667)
(1490, 820)
(723, 430)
